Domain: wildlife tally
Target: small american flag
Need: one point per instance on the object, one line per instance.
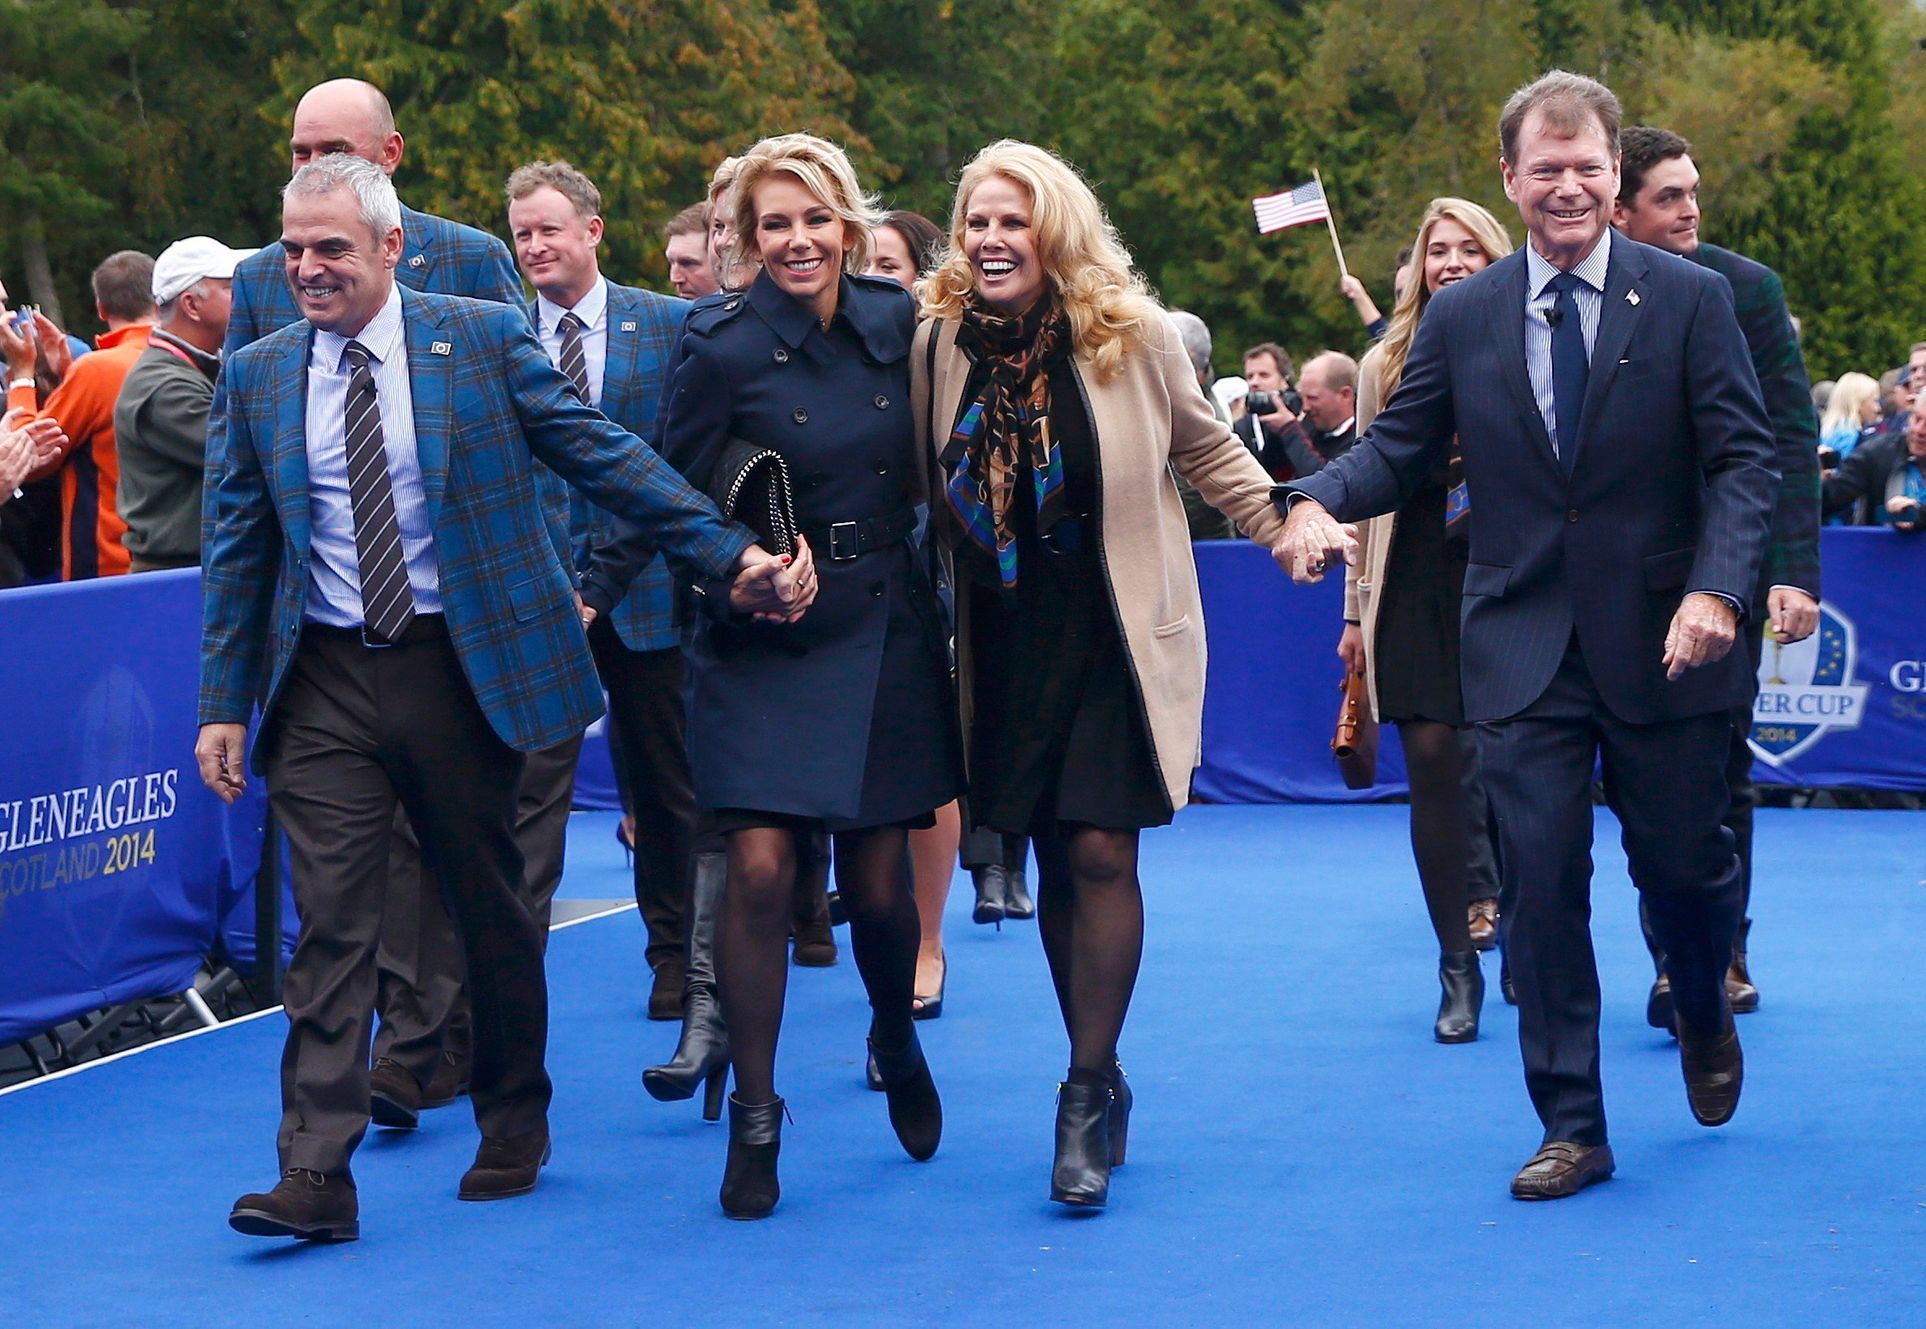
(1294, 207)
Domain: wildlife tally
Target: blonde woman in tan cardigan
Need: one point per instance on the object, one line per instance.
(1055, 396)
(1401, 602)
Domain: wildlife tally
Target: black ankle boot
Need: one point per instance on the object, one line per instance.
(702, 1055)
(1081, 1175)
(1017, 903)
(749, 1186)
(1121, 1101)
(1464, 996)
(992, 885)
(915, 1112)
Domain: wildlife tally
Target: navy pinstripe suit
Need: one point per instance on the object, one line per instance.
(1572, 584)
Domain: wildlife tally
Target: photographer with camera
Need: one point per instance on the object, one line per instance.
(1886, 477)
(1271, 426)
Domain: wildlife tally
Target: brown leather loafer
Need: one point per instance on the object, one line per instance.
(1482, 915)
(1562, 1168)
(394, 1096)
(506, 1167)
(304, 1204)
(1714, 1073)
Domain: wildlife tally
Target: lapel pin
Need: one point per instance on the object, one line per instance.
(418, 261)
(440, 348)
(628, 325)
(1631, 298)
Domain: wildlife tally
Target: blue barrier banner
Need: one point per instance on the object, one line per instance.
(112, 859)
(1846, 707)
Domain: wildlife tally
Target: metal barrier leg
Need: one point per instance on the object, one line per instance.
(198, 1005)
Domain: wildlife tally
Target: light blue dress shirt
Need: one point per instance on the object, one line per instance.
(334, 584)
(1589, 295)
(593, 310)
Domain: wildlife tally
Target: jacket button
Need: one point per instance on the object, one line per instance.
(882, 468)
(882, 402)
(782, 355)
(876, 589)
(800, 416)
(1572, 515)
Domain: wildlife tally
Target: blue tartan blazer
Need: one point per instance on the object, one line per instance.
(488, 407)
(437, 255)
(643, 329)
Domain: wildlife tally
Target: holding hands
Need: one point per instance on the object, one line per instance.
(1313, 542)
(775, 588)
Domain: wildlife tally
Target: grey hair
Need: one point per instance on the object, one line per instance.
(370, 185)
(1196, 338)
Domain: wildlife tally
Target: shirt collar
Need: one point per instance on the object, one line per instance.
(591, 308)
(381, 338)
(1590, 270)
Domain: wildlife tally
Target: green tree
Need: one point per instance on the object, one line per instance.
(646, 96)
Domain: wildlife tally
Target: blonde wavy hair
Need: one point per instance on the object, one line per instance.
(824, 170)
(1849, 395)
(1410, 308)
(1111, 307)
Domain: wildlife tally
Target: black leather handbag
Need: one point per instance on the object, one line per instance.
(751, 486)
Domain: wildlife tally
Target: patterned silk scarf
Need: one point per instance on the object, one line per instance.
(1006, 425)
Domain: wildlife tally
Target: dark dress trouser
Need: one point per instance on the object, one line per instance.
(1666, 784)
(421, 992)
(356, 730)
(647, 723)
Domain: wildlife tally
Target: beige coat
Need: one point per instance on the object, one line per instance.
(1362, 579)
(1149, 418)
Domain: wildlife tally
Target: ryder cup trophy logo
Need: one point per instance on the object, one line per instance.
(1806, 689)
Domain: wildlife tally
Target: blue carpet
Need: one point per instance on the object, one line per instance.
(1303, 1153)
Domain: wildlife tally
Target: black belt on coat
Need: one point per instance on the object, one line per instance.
(841, 541)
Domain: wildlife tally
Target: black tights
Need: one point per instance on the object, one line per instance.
(1090, 912)
(752, 953)
(1440, 839)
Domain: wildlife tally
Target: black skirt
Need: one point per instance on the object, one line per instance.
(1414, 654)
(1058, 731)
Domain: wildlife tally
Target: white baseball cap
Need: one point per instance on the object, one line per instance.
(187, 261)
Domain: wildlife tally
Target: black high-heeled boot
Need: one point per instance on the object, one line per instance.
(992, 884)
(1464, 996)
(749, 1186)
(1121, 1101)
(915, 1112)
(702, 1054)
(1081, 1174)
(1017, 903)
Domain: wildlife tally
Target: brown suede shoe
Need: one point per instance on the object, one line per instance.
(1562, 1168)
(304, 1204)
(665, 993)
(450, 1081)
(506, 1167)
(394, 1096)
(1714, 1074)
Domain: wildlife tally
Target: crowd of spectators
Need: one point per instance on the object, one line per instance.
(1872, 446)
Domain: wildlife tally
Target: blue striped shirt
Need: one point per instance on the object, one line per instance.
(1590, 298)
(334, 589)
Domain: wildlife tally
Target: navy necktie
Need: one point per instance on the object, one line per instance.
(1571, 366)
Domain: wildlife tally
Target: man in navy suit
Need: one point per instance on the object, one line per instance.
(1658, 204)
(615, 343)
(1619, 464)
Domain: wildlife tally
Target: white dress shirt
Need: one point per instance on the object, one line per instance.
(593, 310)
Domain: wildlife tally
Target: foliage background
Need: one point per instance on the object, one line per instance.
(129, 123)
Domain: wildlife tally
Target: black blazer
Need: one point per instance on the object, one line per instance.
(1671, 489)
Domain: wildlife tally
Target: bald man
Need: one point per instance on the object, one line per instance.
(421, 1050)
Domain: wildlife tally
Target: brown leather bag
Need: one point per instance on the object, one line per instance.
(1355, 745)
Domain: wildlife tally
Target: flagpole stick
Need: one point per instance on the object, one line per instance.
(1330, 221)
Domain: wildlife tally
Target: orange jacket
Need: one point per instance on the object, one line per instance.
(90, 527)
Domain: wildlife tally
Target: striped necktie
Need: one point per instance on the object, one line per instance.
(387, 600)
(574, 363)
